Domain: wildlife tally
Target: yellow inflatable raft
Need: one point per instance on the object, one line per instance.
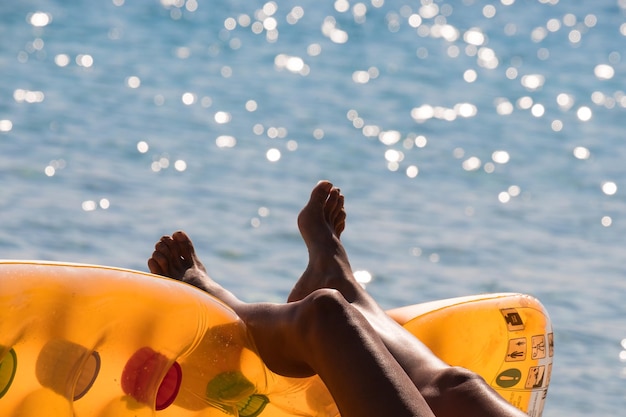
(94, 341)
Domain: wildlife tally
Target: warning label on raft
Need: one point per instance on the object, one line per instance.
(539, 347)
(509, 378)
(516, 351)
(535, 377)
(513, 320)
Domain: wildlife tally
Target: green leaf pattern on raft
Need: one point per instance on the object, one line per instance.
(8, 367)
(253, 405)
(234, 387)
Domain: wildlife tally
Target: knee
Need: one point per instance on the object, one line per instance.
(457, 380)
(323, 304)
(322, 312)
(455, 391)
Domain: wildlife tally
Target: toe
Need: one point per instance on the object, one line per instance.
(333, 207)
(180, 236)
(331, 204)
(338, 210)
(335, 213)
(183, 241)
(320, 192)
(154, 266)
(159, 264)
(340, 222)
(163, 248)
(185, 248)
(173, 252)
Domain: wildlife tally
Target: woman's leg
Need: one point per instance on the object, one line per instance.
(321, 334)
(450, 391)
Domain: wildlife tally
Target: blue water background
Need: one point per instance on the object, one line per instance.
(100, 154)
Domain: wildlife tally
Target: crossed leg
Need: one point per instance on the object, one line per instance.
(380, 363)
(449, 391)
(301, 339)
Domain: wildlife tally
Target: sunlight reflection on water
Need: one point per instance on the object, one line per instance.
(478, 144)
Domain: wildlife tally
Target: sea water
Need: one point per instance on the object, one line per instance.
(479, 146)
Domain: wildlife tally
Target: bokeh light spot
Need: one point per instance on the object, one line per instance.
(142, 146)
(133, 81)
(470, 75)
(39, 19)
(604, 72)
(504, 197)
(251, 105)
(222, 117)
(580, 152)
(500, 157)
(584, 114)
(188, 98)
(180, 165)
(104, 203)
(6, 125)
(89, 205)
(412, 171)
(225, 141)
(273, 155)
(609, 188)
(62, 60)
(84, 60)
(472, 164)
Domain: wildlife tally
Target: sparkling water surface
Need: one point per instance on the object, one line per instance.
(479, 146)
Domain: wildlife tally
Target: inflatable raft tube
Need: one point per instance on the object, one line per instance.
(95, 341)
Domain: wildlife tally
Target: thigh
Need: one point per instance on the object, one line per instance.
(325, 334)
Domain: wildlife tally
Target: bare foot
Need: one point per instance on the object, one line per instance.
(175, 257)
(321, 222)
